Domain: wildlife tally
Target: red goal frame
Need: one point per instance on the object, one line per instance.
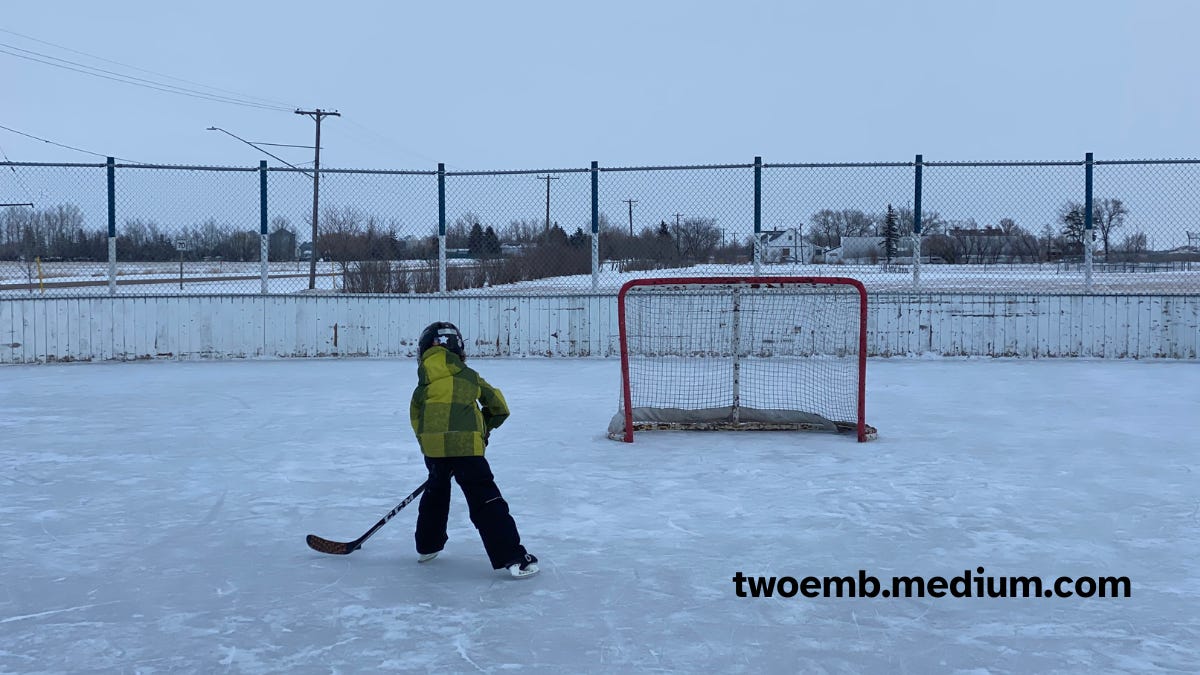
(864, 431)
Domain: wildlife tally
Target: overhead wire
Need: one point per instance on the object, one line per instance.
(129, 79)
(393, 141)
(17, 176)
(143, 70)
(235, 98)
(63, 145)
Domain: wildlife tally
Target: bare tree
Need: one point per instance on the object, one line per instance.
(975, 246)
(696, 238)
(1135, 244)
(144, 240)
(1024, 246)
(1048, 240)
(242, 246)
(944, 246)
(1108, 215)
(931, 221)
(829, 226)
(857, 223)
(519, 232)
(341, 235)
(458, 233)
(1010, 227)
(206, 240)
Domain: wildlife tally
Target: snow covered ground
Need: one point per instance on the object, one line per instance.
(18, 280)
(154, 516)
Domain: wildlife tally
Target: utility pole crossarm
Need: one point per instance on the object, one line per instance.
(318, 113)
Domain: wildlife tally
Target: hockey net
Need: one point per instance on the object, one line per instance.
(766, 353)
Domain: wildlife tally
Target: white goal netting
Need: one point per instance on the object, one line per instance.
(739, 354)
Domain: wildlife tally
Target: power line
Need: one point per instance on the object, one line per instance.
(396, 143)
(281, 145)
(61, 145)
(129, 79)
(255, 146)
(143, 70)
(17, 176)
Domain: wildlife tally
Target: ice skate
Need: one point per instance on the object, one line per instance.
(525, 567)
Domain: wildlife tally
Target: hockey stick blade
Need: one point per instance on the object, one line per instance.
(346, 547)
(332, 547)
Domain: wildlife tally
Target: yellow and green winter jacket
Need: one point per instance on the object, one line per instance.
(446, 406)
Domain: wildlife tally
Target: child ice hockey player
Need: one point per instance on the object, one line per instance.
(454, 411)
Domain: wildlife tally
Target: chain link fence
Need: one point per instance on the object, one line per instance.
(1042, 227)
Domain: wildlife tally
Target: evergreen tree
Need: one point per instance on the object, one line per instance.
(579, 239)
(475, 241)
(664, 247)
(1073, 222)
(491, 243)
(891, 234)
(556, 236)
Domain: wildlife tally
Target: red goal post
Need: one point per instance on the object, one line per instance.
(742, 353)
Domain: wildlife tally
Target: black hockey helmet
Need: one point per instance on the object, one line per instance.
(441, 333)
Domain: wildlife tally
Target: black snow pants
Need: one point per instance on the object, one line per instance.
(488, 510)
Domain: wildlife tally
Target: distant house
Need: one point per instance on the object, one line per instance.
(860, 250)
(785, 246)
(863, 250)
(828, 256)
(282, 245)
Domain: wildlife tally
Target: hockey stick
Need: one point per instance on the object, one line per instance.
(346, 547)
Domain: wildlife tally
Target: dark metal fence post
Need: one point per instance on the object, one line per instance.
(264, 248)
(757, 216)
(112, 226)
(442, 227)
(595, 226)
(916, 236)
(1087, 222)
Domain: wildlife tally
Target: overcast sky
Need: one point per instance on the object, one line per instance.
(493, 85)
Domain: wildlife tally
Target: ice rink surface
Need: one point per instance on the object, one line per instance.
(154, 517)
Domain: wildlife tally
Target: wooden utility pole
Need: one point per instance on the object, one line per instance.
(312, 259)
(630, 202)
(547, 178)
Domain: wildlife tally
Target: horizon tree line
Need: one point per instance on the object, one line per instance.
(347, 233)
